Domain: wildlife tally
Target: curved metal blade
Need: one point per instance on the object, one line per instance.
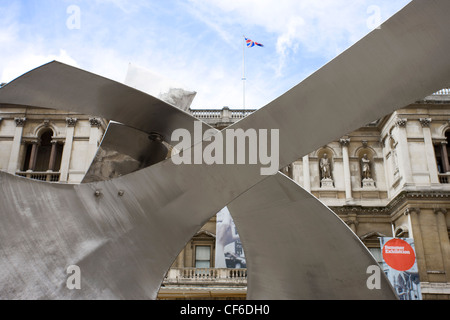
(114, 234)
(297, 248)
(280, 223)
(369, 80)
(123, 251)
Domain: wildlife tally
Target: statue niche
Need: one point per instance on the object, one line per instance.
(326, 179)
(366, 172)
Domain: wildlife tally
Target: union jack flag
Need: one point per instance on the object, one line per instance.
(251, 43)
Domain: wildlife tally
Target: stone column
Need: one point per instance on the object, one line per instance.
(306, 174)
(180, 260)
(352, 222)
(67, 151)
(13, 163)
(429, 150)
(93, 140)
(347, 176)
(225, 115)
(416, 234)
(444, 153)
(403, 154)
(33, 156)
(51, 165)
(444, 240)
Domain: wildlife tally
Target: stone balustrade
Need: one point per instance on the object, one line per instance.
(442, 92)
(42, 176)
(224, 115)
(205, 275)
(444, 177)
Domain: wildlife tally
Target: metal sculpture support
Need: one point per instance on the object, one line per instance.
(124, 233)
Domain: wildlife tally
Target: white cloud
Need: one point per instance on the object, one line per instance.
(325, 27)
(202, 48)
(25, 62)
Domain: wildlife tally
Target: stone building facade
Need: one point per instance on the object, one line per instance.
(388, 178)
(48, 145)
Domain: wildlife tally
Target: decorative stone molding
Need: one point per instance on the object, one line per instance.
(95, 122)
(411, 210)
(434, 287)
(352, 222)
(368, 183)
(365, 143)
(344, 142)
(425, 122)
(20, 122)
(30, 140)
(383, 141)
(401, 122)
(71, 122)
(394, 204)
(326, 183)
(46, 123)
(360, 210)
(437, 210)
(371, 234)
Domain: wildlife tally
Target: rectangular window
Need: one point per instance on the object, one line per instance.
(203, 256)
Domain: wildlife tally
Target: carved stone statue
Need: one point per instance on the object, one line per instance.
(325, 167)
(365, 167)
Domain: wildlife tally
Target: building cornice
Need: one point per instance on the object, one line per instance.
(392, 207)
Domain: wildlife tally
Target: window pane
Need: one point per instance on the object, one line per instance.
(203, 253)
(202, 264)
(202, 256)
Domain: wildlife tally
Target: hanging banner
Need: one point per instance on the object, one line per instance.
(400, 266)
(229, 251)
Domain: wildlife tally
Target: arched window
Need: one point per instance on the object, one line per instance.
(44, 156)
(44, 151)
(401, 232)
(441, 152)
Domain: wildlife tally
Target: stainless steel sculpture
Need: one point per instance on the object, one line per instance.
(124, 232)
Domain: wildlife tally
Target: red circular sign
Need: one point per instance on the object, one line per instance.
(398, 254)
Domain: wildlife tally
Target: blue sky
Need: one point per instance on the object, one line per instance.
(198, 43)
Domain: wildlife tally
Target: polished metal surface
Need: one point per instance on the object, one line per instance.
(297, 248)
(126, 236)
(298, 225)
(124, 150)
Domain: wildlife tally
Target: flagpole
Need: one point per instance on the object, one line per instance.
(243, 72)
